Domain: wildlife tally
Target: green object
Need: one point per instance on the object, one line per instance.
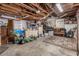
(25, 40)
(28, 39)
(17, 41)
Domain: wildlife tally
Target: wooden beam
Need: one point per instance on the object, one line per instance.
(31, 9)
(77, 16)
(68, 12)
(7, 9)
(47, 8)
(15, 10)
(11, 7)
(50, 6)
(27, 7)
(41, 9)
(18, 10)
(23, 11)
(8, 13)
(32, 6)
(47, 15)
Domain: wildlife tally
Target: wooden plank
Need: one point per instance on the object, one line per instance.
(36, 5)
(16, 11)
(77, 16)
(8, 12)
(31, 9)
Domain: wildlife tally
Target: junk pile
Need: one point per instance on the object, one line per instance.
(20, 37)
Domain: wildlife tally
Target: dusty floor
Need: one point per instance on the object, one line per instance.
(37, 48)
(69, 43)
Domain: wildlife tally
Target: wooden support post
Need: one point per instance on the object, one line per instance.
(77, 16)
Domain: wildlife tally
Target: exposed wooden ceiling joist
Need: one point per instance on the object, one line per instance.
(31, 9)
(50, 7)
(69, 9)
(8, 13)
(37, 5)
(7, 9)
(15, 10)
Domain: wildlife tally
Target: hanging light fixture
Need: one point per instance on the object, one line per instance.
(38, 11)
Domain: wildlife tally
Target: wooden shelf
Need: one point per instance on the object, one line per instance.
(59, 31)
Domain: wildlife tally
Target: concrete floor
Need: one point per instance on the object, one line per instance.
(37, 48)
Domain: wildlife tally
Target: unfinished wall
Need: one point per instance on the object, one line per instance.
(70, 26)
(19, 24)
(51, 21)
(4, 21)
(59, 23)
(55, 22)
